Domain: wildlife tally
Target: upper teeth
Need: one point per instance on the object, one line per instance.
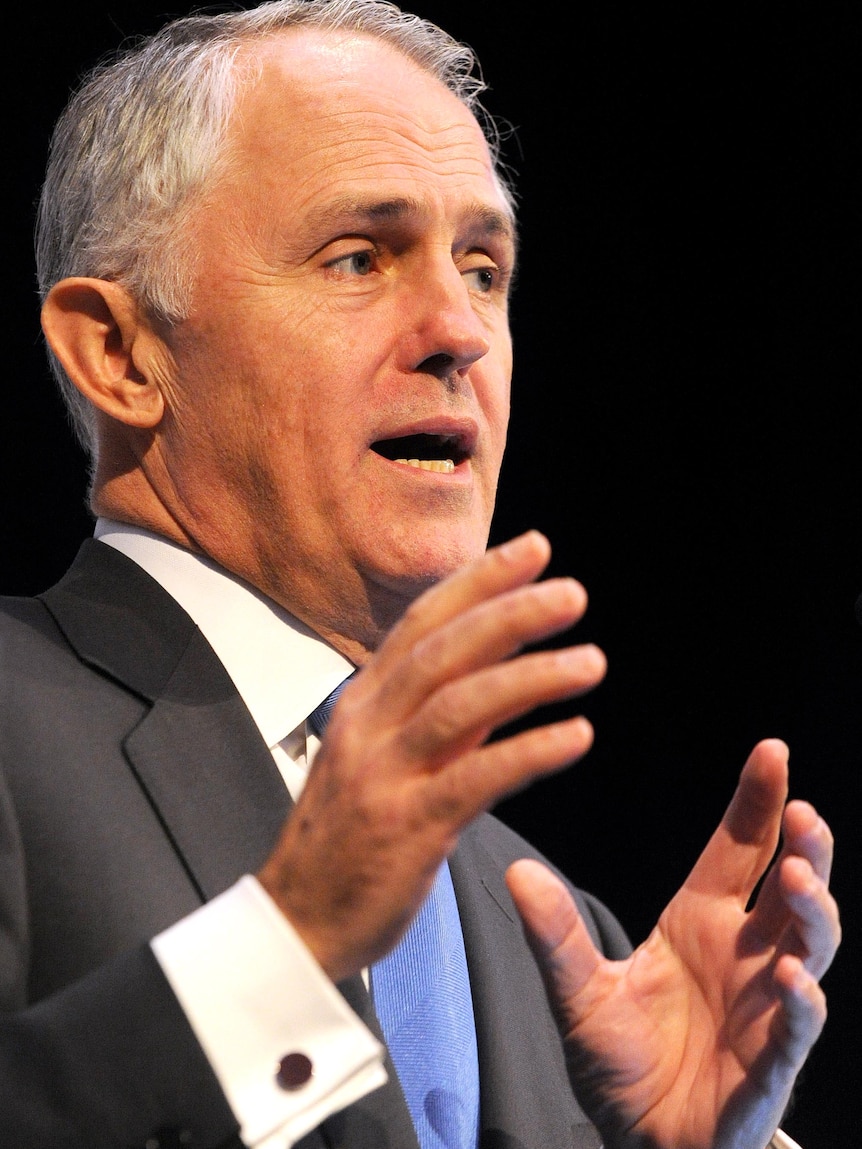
(444, 465)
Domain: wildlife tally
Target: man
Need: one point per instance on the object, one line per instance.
(276, 253)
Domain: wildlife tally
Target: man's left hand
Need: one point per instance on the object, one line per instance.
(695, 1041)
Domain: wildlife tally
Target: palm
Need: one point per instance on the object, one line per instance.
(694, 1022)
(689, 1043)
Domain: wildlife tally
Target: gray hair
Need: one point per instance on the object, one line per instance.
(144, 133)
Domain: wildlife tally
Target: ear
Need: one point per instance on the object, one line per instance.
(96, 330)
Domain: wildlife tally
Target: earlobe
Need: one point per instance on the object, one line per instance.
(94, 328)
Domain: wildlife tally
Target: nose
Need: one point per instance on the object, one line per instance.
(447, 335)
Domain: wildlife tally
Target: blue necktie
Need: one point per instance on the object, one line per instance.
(421, 994)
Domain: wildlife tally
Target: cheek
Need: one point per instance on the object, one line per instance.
(496, 396)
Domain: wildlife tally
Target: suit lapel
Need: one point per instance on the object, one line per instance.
(526, 1099)
(205, 769)
(196, 753)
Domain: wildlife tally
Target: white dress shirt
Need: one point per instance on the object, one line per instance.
(782, 1141)
(249, 986)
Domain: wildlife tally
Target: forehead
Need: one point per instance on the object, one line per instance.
(344, 114)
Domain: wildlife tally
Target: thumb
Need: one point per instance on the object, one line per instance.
(555, 931)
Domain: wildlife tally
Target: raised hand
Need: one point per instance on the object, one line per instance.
(694, 1042)
(406, 763)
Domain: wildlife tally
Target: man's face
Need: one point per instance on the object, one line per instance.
(350, 313)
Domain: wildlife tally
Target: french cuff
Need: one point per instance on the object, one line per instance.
(782, 1141)
(286, 1047)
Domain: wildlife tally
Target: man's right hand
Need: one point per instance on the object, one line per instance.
(406, 763)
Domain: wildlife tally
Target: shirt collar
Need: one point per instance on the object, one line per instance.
(281, 669)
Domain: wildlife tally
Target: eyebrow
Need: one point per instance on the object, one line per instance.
(481, 218)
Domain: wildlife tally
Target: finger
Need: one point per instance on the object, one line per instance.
(515, 563)
(494, 630)
(813, 932)
(797, 915)
(480, 779)
(800, 1020)
(555, 932)
(483, 635)
(808, 839)
(809, 836)
(739, 851)
(462, 714)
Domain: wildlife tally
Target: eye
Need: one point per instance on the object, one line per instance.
(483, 279)
(356, 263)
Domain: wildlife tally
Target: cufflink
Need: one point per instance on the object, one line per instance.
(294, 1071)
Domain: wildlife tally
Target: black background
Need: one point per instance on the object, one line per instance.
(686, 413)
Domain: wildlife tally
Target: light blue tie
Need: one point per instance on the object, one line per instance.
(421, 994)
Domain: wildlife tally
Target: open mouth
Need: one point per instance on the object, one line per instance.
(440, 453)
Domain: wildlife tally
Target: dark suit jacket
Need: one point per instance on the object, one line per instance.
(134, 786)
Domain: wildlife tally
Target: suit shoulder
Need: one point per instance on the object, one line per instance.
(24, 623)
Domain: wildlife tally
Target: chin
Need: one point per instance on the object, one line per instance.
(417, 562)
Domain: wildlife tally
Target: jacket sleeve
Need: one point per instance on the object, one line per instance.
(109, 1061)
